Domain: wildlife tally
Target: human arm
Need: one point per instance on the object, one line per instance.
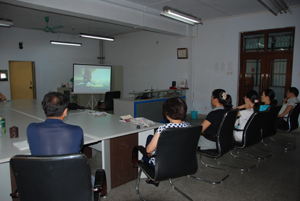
(284, 101)
(2, 97)
(286, 111)
(240, 107)
(205, 125)
(153, 144)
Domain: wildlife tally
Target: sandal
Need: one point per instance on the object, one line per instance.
(149, 181)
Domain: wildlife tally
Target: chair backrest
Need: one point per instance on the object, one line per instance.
(52, 178)
(225, 139)
(176, 152)
(293, 117)
(252, 129)
(109, 96)
(269, 127)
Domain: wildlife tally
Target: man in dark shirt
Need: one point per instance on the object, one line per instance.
(53, 136)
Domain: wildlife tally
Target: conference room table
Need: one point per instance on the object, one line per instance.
(114, 138)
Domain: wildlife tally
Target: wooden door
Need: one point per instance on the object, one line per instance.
(266, 61)
(252, 75)
(266, 72)
(22, 80)
(278, 74)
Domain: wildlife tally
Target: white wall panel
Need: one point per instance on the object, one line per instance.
(53, 63)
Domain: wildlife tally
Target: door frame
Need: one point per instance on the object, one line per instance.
(265, 57)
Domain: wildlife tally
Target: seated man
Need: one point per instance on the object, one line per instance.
(287, 105)
(2, 97)
(53, 136)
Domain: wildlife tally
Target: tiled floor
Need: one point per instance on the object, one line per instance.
(276, 178)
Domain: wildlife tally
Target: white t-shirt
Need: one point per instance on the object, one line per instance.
(241, 122)
(289, 102)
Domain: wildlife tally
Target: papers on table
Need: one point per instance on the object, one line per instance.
(23, 145)
(98, 113)
(145, 123)
(126, 117)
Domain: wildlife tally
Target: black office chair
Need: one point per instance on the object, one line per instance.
(269, 126)
(269, 130)
(252, 135)
(108, 100)
(54, 178)
(292, 119)
(175, 156)
(225, 143)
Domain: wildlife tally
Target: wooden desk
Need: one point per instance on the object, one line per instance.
(117, 140)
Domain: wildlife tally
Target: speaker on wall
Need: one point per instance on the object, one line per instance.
(173, 83)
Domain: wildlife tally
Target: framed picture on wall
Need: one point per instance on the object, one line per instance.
(182, 53)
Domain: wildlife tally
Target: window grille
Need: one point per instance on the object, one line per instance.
(278, 72)
(280, 41)
(253, 43)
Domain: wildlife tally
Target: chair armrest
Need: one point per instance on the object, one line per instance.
(135, 154)
(100, 182)
(283, 118)
(14, 194)
(203, 134)
(236, 129)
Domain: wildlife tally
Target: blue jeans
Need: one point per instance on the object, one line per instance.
(145, 158)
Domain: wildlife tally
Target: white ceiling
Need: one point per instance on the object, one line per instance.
(25, 16)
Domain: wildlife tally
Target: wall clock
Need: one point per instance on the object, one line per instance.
(182, 53)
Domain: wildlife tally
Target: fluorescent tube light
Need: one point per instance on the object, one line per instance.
(181, 16)
(84, 35)
(64, 43)
(6, 22)
(275, 6)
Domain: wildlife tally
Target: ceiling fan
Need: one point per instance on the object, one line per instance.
(50, 29)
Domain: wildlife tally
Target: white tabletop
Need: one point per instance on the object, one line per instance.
(21, 113)
(103, 127)
(7, 149)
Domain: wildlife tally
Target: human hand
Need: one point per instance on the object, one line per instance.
(284, 101)
(247, 106)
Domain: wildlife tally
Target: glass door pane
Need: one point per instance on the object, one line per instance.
(252, 75)
(277, 78)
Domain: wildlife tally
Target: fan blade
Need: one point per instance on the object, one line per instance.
(57, 27)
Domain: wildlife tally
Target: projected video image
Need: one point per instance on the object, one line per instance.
(92, 79)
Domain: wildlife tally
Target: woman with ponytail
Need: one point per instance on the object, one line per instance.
(251, 105)
(213, 119)
(268, 98)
